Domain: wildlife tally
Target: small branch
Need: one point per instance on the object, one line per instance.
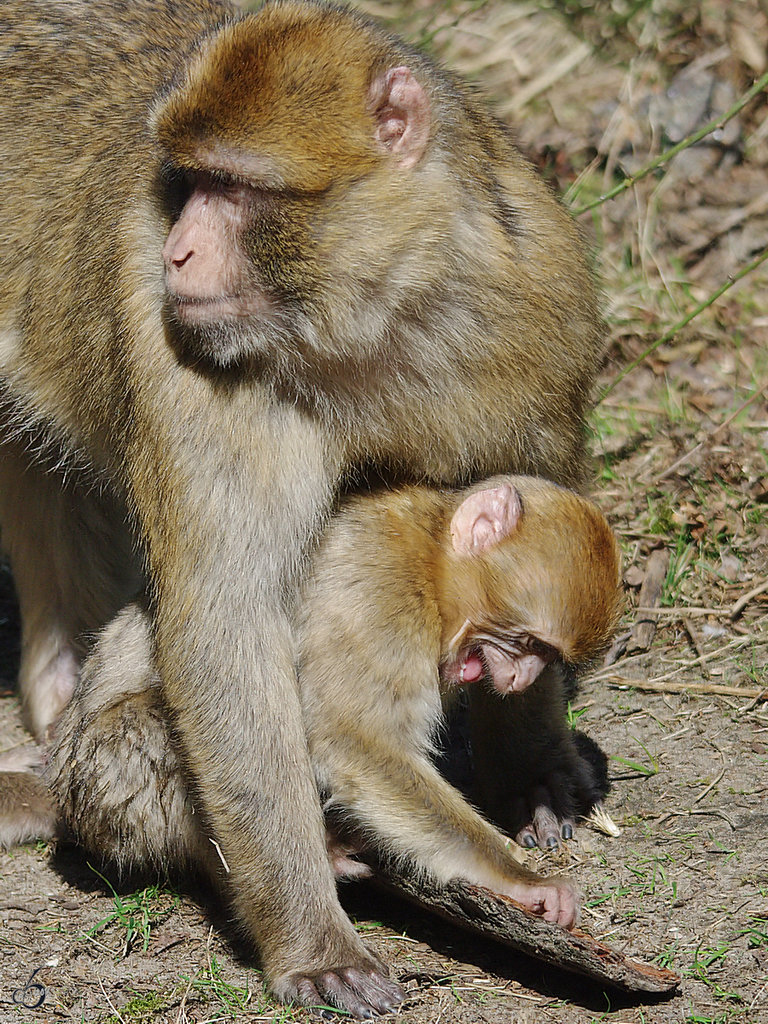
(680, 611)
(668, 154)
(644, 629)
(669, 335)
(743, 601)
(709, 788)
(670, 686)
(220, 853)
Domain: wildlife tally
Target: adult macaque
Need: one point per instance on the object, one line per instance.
(242, 256)
(411, 595)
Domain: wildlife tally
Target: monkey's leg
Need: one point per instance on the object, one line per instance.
(532, 775)
(73, 567)
(410, 811)
(115, 769)
(113, 766)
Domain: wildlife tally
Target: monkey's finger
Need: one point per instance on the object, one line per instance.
(363, 993)
(564, 909)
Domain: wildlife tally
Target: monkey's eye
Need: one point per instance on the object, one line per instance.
(532, 645)
(513, 643)
(224, 184)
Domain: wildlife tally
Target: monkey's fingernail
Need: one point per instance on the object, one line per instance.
(552, 843)
(567, 831)
(529, 841)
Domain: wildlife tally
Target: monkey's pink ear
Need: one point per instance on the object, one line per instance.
(485, 518)
(403, 115)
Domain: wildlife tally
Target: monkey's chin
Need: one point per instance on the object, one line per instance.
(220, 333)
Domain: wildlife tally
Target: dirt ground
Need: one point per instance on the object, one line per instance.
(595, 90)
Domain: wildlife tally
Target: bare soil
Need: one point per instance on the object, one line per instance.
(681, 466)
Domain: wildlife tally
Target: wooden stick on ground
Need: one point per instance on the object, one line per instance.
(678, 686)
(502, 919)
(644, 629)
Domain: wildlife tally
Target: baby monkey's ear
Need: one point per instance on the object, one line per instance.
(485, 518)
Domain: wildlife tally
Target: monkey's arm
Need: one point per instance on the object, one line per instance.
(400, 799)
(532, 776)
(244, 487)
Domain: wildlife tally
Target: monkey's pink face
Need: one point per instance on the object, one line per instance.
(511, 664)
(268, 174)
(207, 277)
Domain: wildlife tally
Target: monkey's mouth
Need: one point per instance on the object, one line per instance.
(474, 667)
(508, 667)
(206, 309)
(468, 666)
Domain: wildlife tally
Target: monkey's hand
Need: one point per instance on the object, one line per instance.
(364, 991)
(552, 899)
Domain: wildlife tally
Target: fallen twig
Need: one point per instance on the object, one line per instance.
(670, 686)
(744, 600)
(644, 629)
(504, 920)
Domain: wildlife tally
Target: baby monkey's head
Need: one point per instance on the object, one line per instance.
(532, 574)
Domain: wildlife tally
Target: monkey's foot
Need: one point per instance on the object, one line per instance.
(364, 992)
(577, 782)
(543, 826)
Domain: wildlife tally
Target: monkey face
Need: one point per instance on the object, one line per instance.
(510, 660)
(513, 547)
(238, 266)
(279, 239)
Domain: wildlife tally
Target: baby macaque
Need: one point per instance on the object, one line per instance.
(413, 594)
(418, 593)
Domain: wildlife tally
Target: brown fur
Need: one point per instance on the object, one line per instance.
(433, 319)
(381, 602)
